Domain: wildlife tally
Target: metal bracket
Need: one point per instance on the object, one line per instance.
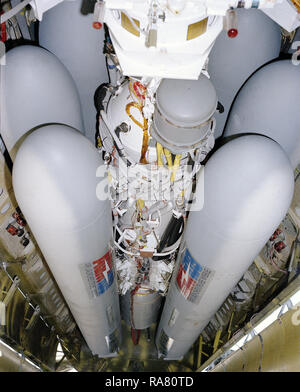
(217, 340)
(33, 318)
(7, 299)
(200, 352)
(287, 304)
(229, 331)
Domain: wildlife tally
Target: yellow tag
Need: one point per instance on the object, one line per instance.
(127, 25)
(196, 29)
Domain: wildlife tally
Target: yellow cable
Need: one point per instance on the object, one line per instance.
(144, 126)
(140, 108)
(144, 146)
(172, 167)
(175, 167)
(168, 156)
(159, 152)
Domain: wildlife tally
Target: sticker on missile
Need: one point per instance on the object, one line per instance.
(98, 275)
(192, 278)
